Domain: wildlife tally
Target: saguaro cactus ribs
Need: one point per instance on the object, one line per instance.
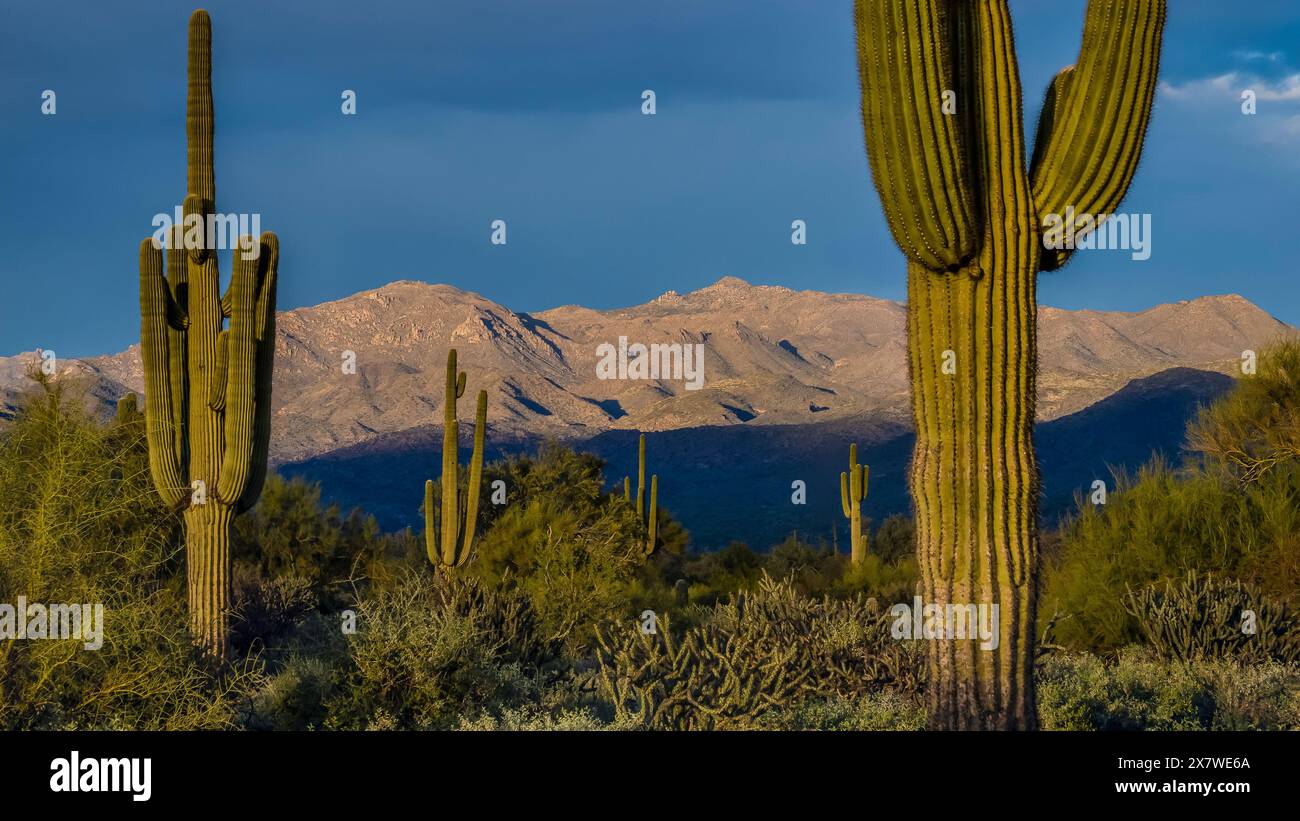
(941, 111)
(207, 387)
(458, 520)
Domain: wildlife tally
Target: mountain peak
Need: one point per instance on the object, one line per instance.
(728, 282)
(774, 356)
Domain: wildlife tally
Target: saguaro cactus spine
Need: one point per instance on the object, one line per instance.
(652, 528)
(458, 520)
(207, 389)
(941, 111)
(853, 489)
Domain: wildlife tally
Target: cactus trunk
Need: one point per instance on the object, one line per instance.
(974, 483)
(452, 548)
(207, 387)
(646, 514)
(853, 489)
(941, 107)
(207, 559)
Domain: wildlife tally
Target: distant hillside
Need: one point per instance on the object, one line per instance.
(773, 357)
(733, 481)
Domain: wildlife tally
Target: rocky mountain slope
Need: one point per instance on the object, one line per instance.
(772, 356)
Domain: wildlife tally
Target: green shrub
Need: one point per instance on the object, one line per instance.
(1256, 427)
(885, 710)
(1141, 692)
(435, 647)
(80, 523)
(575, 565)
(1157, 526)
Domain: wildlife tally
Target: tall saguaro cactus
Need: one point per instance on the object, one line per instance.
(642, 512)
(853, 489)
(458, 520)
(941, 110)
(207, 388)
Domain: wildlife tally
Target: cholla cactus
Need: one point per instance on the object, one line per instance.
(1203, 617)
(207, 390)
(941, 110)
(762, 649)
(458, 522)
(853, 489)
(652, 528)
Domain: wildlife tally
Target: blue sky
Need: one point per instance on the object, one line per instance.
(530, 112)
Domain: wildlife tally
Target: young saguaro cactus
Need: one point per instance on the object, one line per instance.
(207, 389)
(652, 528)
(458, 520)
(853, 489)
(941, 111)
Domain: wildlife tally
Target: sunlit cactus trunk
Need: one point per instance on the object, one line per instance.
(941, 107)
(853, 489)
(648, 514)
(207, 362)
(458, 520)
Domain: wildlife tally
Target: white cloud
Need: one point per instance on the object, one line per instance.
(1259, 56)
(1232, 84)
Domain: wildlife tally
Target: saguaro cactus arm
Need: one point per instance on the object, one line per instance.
(652, 529)
(243, 385)
(916, 150)
(1096, 114)
(475, 477)
(158, 344)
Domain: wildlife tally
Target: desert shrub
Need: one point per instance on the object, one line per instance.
(1158, 525)
(883, 710)
(291, 533)
(1201, 616)
(889, 581)
(1141, 692)
(435, 647)
(298, 695)
(576, 564)
(81, 523)
(895, 539)
(758, 651)
(532, 718)
(265, 610)
(1256, 427)
(715, 575)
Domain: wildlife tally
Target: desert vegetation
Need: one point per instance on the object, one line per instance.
(336, 625)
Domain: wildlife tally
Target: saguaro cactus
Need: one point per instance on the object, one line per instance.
(207, 389)
(941, 110)
(642, 512)
(458, 520)
(853, 489)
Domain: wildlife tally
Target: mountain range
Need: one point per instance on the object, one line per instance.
(789, 378)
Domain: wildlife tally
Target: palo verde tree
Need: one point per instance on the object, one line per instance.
(941, 111)
(207, 386)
